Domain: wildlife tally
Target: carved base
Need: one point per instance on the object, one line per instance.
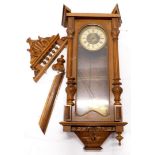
(92, 139)
(93, 134)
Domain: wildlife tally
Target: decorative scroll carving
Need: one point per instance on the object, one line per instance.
(43, 53)
(93, 129)
(115, 27)
(70, 28)
(115, 32)
(70, 32)
(40, 46)
(71, 90)
(36, 46)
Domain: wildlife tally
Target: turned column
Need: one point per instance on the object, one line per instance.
(117, 90)
(71, 84)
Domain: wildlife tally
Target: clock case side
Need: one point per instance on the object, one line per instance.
(93, 133)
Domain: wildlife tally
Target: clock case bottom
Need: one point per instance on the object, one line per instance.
(93, 134)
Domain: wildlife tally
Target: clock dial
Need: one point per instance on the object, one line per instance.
(92, 38)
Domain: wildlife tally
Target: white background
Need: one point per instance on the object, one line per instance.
(22, 100)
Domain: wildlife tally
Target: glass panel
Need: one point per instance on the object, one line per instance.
(92, 81)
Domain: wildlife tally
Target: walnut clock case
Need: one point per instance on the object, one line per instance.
(93, 109)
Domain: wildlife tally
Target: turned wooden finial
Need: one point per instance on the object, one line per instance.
(59, 66)
(116, 10)
(119, 137)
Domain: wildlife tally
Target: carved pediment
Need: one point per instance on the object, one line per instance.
(40, 46)
(43, 52)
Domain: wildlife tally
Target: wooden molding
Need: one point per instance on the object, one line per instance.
(93, 15)
(95, 123)
(49, 105)
(74, 128)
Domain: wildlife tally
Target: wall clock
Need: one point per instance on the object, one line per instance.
(93, 109)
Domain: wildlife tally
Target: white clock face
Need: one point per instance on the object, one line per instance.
(92, 38)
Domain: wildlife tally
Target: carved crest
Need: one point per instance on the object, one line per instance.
(40, 46)
(43, 53)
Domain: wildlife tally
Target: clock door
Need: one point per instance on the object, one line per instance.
(91, 69)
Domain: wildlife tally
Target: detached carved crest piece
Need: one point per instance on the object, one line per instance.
(93, 108)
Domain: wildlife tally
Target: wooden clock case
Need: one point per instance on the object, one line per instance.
(92, 128)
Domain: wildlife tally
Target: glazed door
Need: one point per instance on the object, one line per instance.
(92, 74)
